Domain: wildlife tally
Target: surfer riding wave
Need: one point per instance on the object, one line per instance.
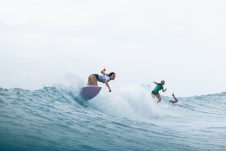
(104, 78)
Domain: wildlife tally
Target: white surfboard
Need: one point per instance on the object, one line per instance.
(89, 92)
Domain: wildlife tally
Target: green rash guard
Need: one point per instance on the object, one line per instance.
(158, 87)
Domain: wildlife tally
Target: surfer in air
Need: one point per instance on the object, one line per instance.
(155, 92)
(104, 78)
(175, 99)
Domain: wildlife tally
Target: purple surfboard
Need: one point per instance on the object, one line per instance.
(89, 92)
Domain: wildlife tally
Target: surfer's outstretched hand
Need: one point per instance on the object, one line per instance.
(109, 90)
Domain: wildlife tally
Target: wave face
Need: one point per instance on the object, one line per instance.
(56, 119)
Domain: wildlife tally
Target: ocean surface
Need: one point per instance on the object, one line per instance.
(128, 119)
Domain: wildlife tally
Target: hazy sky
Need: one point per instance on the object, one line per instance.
(181, 41)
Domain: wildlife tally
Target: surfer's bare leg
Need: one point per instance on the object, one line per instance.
(158, 97)
(175, 99)
(92, 80)
(153, 95)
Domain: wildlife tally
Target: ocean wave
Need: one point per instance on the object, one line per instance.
(56, 118)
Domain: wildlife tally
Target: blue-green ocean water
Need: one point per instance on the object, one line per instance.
(56, 119)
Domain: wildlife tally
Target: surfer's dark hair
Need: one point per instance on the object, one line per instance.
(110, 74)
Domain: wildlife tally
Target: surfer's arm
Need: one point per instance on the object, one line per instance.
(103, 71)
(106, 83)
(155, 82)
(164, 90)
